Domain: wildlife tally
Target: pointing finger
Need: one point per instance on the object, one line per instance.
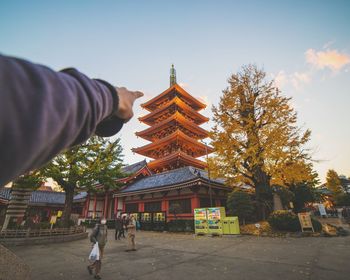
(138, 94)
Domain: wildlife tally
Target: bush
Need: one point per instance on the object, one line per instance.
(90, 223)
(317, 225)
(240, 204)
(59, 224)
(287, 221)
(284, 220)
(181, 225)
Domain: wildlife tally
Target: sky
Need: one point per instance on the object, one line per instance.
(303, 45)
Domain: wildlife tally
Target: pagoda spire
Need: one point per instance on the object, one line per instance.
(172, 75)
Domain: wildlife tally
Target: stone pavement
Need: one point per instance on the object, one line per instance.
(184, 256)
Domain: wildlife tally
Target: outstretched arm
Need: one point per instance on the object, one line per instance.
(43, 112)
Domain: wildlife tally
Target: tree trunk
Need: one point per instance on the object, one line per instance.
(67, 210)
(263, 193)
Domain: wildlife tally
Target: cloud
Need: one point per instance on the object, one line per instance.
(204, 99)
(281, 79)
(296, 79)
(331, 59)
(328, 44)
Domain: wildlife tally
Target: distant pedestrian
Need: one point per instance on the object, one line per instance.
(125, 224)
(131, 234)
(138, 225)
(99, 234)
(118, 228)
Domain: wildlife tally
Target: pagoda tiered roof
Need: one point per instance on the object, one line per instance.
(174, 129)
(168, 108)
(169, 125)
(176, 159)
(177, 137)
(169, 94)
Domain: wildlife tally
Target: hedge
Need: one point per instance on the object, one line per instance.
(288, 221)
(181, 225)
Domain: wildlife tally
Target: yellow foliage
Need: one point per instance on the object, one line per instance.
(255, 136)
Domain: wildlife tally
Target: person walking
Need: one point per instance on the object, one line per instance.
(124, 223)
(118, 228)
(131, 234)
(99, 234)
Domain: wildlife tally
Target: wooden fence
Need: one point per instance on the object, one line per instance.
(20, 233)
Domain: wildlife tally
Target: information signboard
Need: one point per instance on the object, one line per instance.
(322, 210)
(305, 222)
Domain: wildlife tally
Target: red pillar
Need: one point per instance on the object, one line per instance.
(164, 205)
(105, 214)
(124, 205)
(115, 211)
(195, 202)
(95, 201)
(141, 207)
(217, 202)
(87, 205)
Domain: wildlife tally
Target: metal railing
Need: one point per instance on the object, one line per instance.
(27, 233)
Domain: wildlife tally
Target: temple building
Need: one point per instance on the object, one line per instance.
(178, 182)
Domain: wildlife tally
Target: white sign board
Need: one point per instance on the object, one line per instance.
(322, 210)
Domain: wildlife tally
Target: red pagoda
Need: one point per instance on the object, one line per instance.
(174, 131)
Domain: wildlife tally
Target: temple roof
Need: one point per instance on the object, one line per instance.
(195, 103)
(133, 168)
(151, 117)
(174, 158)
(177, 135)
(177, 118)
(43, 197)
(170, 178)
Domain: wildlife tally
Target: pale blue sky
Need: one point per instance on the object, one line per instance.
(305, 45)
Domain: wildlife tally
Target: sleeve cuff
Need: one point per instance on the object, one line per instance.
(112, 124)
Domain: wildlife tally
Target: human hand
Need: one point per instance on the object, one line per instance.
(126, 102)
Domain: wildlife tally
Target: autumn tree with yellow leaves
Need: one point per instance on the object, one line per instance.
(256, 138)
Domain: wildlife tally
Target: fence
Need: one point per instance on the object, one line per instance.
(27, 233)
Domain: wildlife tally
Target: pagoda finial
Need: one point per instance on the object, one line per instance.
(172, 75)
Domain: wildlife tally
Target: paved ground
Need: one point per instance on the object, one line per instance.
(180, 256)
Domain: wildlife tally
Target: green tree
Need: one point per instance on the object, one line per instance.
(333, 182)
(240, 204)
(256, 137)
(342, 199)
(98, 161)
(303, 193)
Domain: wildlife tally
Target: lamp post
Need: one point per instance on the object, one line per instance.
(207, 157)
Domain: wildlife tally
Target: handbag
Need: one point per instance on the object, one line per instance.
(95, 253)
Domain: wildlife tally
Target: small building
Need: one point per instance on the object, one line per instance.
(42, 204)
(155, 195)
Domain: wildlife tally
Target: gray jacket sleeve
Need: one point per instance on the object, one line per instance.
(43, 112)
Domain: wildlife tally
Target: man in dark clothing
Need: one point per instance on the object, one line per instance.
(118, 228)
(125, 224)
(43, 112)
(99, 235)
